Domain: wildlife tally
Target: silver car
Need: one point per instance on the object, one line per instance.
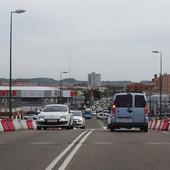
(79, 120)
(55, 115)
(129, 110)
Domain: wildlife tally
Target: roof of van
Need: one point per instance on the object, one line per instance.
(132, 93)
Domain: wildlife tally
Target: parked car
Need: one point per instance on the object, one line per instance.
(102, 115)
(79, 120)
(31, 115)
(129, 110)
(55, 115)
(87, 114)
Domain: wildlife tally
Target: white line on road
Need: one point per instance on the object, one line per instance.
(57, 159)
(68, 159)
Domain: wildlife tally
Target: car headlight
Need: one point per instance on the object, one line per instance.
(40, 117)
(63, 117)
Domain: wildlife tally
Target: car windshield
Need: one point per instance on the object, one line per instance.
(77, 113)
(55, 109)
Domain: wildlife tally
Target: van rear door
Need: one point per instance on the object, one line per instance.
(139, 103)
(124, 108)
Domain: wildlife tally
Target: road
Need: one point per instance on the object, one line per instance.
(94, 148)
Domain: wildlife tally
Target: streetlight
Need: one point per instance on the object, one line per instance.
(160, 81)
(63, 72)
(10, 61)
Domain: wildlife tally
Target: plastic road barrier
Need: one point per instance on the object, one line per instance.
(154, 124)
(23, 124)
(164, 125)
(34, 124)
(1, 127)
(17, 124)
(5, 125)
(158, 124)
(29, 124)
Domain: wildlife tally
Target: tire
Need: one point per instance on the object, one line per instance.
(112, 129)
(71, 127)
(144, 129)
(38, 128)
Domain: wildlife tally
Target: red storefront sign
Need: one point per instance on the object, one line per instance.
(5, 93)
(73, 93)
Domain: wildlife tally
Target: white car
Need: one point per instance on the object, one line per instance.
(55, 115)
(79, 120)
(102, 115)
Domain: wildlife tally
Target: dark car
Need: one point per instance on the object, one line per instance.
(87, 114)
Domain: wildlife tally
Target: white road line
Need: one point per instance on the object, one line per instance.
(101, 124)
(57, 159)
(68, 159)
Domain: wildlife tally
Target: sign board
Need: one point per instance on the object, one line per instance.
(32, 93)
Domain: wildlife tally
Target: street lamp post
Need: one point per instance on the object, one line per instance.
(160, 82)
(63, 72)
(10, 61)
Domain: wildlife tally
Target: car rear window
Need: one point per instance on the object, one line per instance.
(140, 101)
(123, 100)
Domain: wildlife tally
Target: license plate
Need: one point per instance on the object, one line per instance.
(123, 120)
(52, 120)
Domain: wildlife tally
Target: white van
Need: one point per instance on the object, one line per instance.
(129, 110)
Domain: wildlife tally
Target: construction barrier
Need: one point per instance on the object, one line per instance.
(23, 125)
(164, 125)
(150, 124)
(11, 125)
(34, 124)
(157, 127)
(169, 126)
(154, 123)
(1, 127)
(17, 124)
(5, 125)
(29, 124)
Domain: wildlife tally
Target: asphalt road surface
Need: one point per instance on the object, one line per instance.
(94, 148)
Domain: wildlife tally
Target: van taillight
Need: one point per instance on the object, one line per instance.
(146, 109)
(113, 109)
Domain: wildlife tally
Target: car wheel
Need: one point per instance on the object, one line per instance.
(144, 129)
(112, 129)
(38, 128)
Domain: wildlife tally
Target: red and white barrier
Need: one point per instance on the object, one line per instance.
(157, 127)
(154, 123)
(169, 126)
(1, 127)
(164, 125)
(17, 124)
(34, 124)
(29, 124)
(150, 124)
(23, 124)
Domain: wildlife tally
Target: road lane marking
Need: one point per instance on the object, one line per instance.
(158, 143)
(101, 124)
(58, 158)
(71, 155)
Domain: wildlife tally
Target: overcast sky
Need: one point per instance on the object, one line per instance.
(111, 37)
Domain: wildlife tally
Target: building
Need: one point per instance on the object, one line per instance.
(165, 83)
(138, 87)
(94, 80)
